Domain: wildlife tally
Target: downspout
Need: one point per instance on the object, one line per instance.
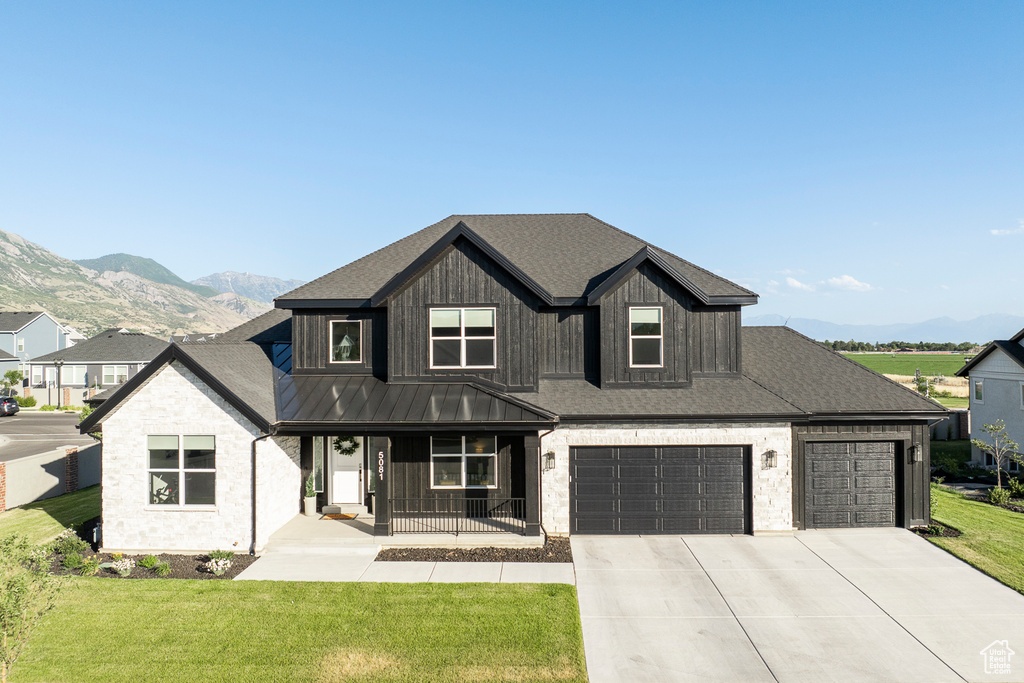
(540, 476)
(252, 547)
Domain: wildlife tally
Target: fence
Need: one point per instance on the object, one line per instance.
(457, 515)
(49, 474)
(956, 426)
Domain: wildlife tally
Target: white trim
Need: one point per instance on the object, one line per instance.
(659, 337)
(462, 338)
(464, 455)
(976, 384)
(330, 341)
(103, 374)
(181, 470)
(1021, 395)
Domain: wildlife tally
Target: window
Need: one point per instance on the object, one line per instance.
(979, 393)
(115, 374)
(645, 338)
(462, 338)
(182, 470)
(21, 346)
(1022, 395)
(37, 375)
(72, 374)
(346, 336)
(318, 464)
(463, 462)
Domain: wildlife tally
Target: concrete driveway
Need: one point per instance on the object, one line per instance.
(844, 605)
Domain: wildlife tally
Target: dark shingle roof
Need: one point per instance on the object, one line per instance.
(273, 326)
(12, 321)
(566, 254)
(111, 346)
(821, 381)
(6, 356)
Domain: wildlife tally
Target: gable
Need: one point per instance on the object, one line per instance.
(999, 363)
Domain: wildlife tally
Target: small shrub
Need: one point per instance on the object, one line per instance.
(123, 566)
(69, 543)
(934, 529)
(149, 561)
(221, 554)
(999, 496)
(26, 401)
(117, 556)
(218, 567)
(162, 569)
(89, 567)
(85, 412)
(47, 408)
(1016, 487)
(72, 561)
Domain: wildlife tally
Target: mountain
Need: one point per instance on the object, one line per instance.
(34, 278)
(256, 287)
(143, 267)
(980, 330)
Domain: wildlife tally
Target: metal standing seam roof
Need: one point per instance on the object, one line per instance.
(568, 255)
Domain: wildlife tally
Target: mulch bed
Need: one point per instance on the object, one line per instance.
(554, 550)
(182, 567)
(943, 530)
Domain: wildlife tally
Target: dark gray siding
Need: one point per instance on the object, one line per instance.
(647, 286)
(464, 276)
(410, 471)
(569, 342)
(912, 479)
(715, 340)
(311, 335)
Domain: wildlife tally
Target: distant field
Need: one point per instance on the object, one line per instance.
(930, 364)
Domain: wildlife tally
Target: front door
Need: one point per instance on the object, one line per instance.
(346, 470)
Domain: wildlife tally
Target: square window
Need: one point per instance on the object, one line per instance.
(182, 465)
(463, 337)
(447, 353)
(448, 472)
(163, 488)
(346, 338)
(464, 462)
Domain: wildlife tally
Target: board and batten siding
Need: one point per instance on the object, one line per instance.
(912, 479)
(311, 342)
(410, 471)
(569, 342)
(463, 276)
(715, 340)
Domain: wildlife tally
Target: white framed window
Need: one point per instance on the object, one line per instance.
(21, 346)
(463, 337)
(182, 469)
(979, 391)
(37, 375)
(72, 375)
(346, 341)
(463, 462)
(646, 338)
(115, 374)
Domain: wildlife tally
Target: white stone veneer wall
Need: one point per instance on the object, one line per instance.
(278, 485)
(772, 489)
(175, 401)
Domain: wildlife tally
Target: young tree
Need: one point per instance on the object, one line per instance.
(27, 592)
(11, 377)
(1003, 449)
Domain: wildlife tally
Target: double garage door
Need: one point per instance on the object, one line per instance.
(706, 489)
(659, 489)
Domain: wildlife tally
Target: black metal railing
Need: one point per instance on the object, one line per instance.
(458, 516)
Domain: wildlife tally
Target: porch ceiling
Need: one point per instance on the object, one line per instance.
(309, 401)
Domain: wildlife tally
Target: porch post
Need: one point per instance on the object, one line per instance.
(380, 462)
(531, 444)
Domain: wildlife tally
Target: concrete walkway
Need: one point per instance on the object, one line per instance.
(844, 605)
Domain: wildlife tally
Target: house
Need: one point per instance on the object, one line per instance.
(520, 373)
(996, 377)
(106, 360)
(8, 362)
(27, 334)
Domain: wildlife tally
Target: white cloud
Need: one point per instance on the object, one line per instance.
(796, 284)
(1017, 231)
(849, 283)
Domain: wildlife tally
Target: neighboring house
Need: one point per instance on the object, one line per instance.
(27, 334)
(523, 373)
(8, 362)
(109, 359)
(997, 392)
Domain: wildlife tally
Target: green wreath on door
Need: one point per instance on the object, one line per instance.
(346, 445)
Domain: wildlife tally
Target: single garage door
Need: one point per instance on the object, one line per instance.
(850, 484)
(658, 490)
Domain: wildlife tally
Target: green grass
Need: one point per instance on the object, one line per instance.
(187, 630)
(992, 540)
(950, 455)
(42, 521)
(955, 402)
(931, 364)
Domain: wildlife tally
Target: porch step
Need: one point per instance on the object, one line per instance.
(345, 509)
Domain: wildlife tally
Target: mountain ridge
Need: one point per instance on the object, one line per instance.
(262, 288)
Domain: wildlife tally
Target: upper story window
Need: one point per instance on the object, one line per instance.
(115, 374)
(462, 337)
(979, 390)
(182, 470)
(646, 339)
(346, 336)
(21, 346)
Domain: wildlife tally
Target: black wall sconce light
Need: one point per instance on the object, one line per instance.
(548, 461)
(769, 460)
(916, 453)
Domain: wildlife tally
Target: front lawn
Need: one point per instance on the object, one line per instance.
(954, 402)
(992, 538)
(181, 630)
(42, 521)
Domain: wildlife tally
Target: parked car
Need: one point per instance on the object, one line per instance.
(8, 405)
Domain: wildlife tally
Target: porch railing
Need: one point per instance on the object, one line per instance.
(458, 515)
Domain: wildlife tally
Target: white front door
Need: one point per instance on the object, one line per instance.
(346, 473)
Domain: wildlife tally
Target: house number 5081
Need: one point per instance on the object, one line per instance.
(380, 464)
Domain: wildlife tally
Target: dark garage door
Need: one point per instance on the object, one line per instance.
(850, 484)
(658, 490)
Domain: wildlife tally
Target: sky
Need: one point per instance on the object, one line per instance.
(852, 162)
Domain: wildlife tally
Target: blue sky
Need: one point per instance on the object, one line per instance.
(853, 162)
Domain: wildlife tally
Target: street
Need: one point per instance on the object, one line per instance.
(27, 434)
